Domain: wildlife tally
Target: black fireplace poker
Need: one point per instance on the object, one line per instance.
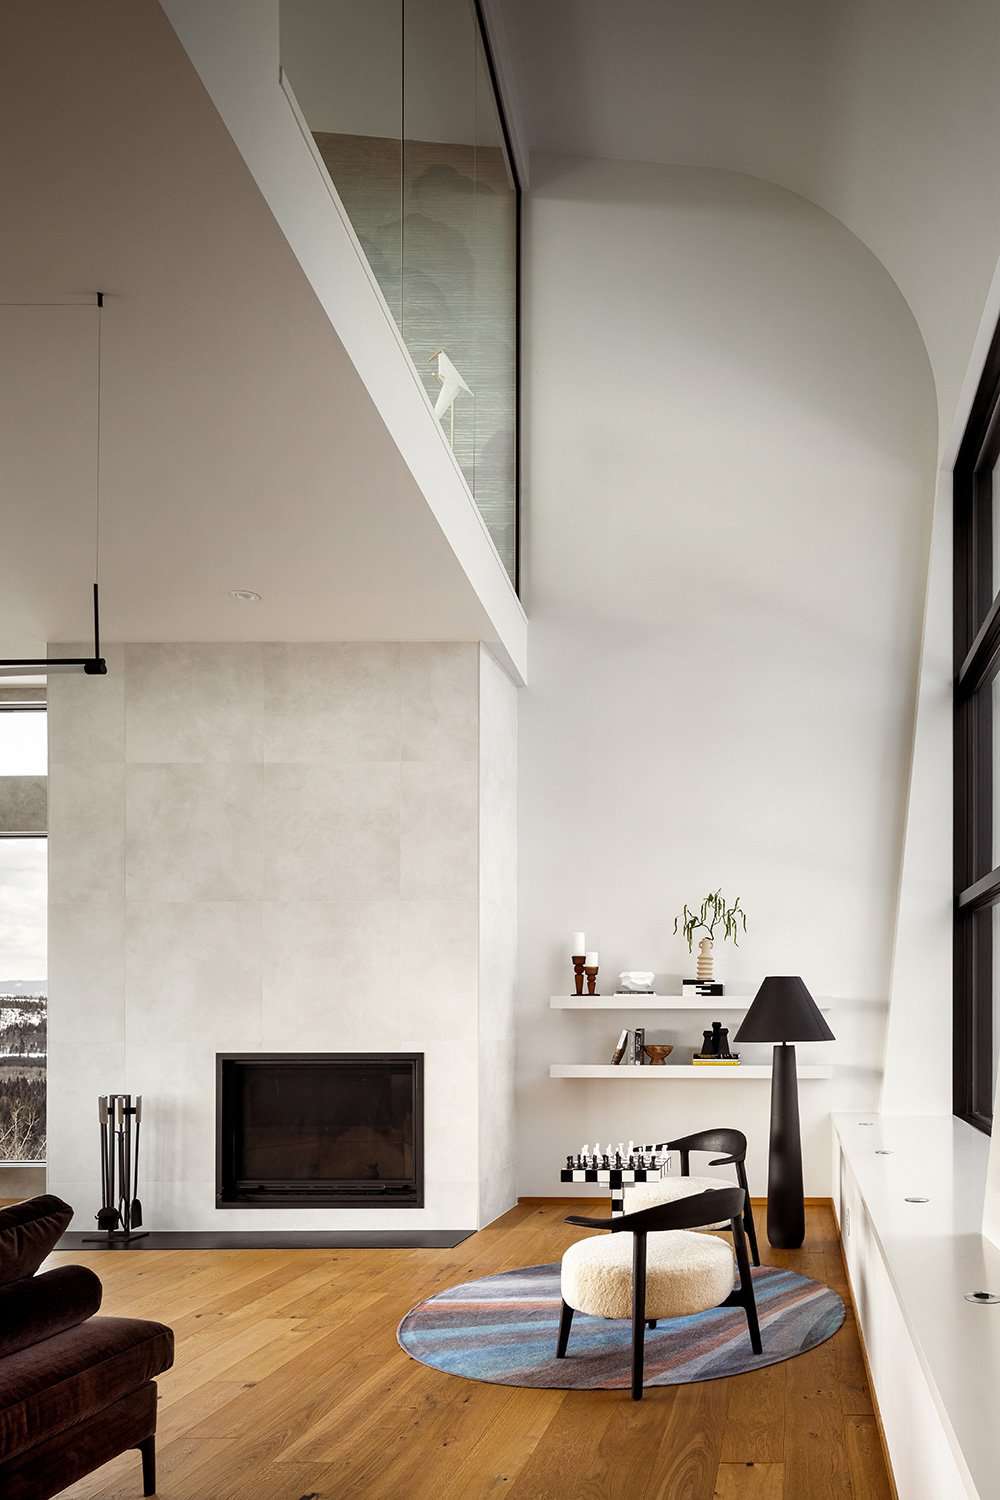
(120, 1213)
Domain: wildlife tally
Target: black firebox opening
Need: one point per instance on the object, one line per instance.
(319, 1129)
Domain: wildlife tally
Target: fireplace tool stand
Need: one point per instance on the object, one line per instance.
(120, 1213)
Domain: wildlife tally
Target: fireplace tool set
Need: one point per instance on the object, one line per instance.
(120, 1215)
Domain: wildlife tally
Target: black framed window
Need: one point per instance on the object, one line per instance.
(977, 752)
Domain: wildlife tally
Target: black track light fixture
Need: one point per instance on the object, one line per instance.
(95, 665)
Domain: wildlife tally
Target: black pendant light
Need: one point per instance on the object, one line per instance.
(95, 665)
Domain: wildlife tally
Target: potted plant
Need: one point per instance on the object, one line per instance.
(714, 911)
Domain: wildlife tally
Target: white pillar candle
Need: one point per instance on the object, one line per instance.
(590, 960)
(579, 943)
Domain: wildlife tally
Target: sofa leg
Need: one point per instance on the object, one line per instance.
(148, 1450)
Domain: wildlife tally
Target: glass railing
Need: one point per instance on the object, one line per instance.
(400, 100)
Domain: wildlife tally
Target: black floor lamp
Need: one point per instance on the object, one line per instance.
(784, 1012)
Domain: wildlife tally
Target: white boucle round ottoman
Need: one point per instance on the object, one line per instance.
(686, 1273)
(668, 1190)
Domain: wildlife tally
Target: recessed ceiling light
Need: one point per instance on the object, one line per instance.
(986, 1297)
(248, 596)
(916, 1200)
(882, 1151)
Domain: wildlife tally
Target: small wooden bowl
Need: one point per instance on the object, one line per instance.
(657, 1053)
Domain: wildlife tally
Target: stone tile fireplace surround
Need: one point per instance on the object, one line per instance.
(282, 848)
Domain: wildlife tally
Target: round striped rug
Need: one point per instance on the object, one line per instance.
(502, 1329)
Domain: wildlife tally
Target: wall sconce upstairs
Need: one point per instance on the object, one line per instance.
(94, 665)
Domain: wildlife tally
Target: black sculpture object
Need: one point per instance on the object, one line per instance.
(783, 1012)
(715, 1043)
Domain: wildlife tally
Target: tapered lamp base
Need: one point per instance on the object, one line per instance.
(786, 1214)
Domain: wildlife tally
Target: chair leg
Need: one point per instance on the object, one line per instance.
(751, 1230)
(650, 1322)
(638, 1314)
(148, 1450)
(565, 1320)
(746, 1285)
(753, 1325)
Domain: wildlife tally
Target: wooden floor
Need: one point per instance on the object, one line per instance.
(289, 1385)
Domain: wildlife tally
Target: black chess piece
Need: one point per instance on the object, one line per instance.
(618, 1158)
(569, 1162)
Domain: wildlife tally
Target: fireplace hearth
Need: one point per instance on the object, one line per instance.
(319, 1130)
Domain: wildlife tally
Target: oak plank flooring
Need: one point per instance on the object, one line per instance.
(750, 1482)
(754, 1431)
(289, 1382)
(864, 1454)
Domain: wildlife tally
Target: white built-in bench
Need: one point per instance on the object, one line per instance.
(934, 1358)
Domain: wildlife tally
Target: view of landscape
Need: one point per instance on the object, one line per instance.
(23, 1047)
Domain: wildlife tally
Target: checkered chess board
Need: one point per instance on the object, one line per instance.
(611, 1176)
(616, 1179)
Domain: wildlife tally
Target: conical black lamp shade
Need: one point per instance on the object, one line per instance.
(783, 1011)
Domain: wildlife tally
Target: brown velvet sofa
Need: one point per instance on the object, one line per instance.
(75, 1389)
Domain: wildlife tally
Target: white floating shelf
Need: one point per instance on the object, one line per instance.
(674, 1071)
(653, 1002)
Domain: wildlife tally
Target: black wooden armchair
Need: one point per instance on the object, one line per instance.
(733, 1146)
(676, 1276)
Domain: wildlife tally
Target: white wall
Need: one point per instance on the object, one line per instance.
(882, 111)
(918, 1073)
(265, 848)
(497, 937)
(730, 463)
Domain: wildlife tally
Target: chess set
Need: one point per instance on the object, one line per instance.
(633, 1159)
(616, 1169)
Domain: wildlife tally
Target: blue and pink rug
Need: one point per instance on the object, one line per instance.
(502, 1329)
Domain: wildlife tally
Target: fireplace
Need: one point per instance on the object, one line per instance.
(319, 1130)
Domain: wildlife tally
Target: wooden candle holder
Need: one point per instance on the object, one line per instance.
(578, 971)
(591, 972)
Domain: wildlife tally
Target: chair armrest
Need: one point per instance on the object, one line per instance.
(699, 1211)
(588, 1223)
(726, 1161)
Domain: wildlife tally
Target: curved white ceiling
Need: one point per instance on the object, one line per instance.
(884, 112)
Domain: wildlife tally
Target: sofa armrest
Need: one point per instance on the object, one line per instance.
(38, 1307)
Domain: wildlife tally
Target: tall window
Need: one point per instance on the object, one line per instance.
(23, 987)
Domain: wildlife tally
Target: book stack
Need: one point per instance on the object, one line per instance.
(716, 1062)
(629, 1049)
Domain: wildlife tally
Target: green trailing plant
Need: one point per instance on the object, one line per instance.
(714, 910)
